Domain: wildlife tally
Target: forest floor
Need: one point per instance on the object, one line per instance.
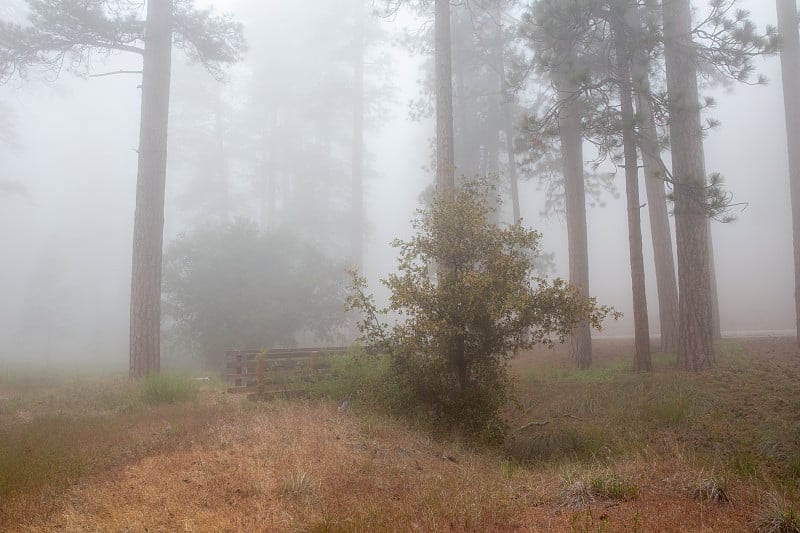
(603, 450)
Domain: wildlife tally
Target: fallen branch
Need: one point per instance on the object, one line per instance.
(115, 72)
(531, 424)
(545, 422)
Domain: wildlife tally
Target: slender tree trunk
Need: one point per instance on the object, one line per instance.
(512, 162)
(148, 225)
(269, 207)
(716, 322)
(667, 285)
(224, 208)
(642, 360)
(695, 329)
(569, 126)
(445, 164)
(357, 237)
(716, 319)
(508, 127)
(790, 73)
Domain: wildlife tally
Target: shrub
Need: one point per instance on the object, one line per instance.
(468, 299)
(231, 285)
(358, 378)
(159, 389)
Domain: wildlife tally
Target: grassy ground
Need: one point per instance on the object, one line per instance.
(600, 450)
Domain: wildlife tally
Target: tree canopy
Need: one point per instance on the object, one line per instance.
(70, 34)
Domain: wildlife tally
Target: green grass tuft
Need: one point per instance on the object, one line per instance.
(666, 409)
(159, 389)
(614, 488)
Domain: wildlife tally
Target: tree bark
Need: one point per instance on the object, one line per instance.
(790, 74)
(695, 329)
(569, 126)
(357, 192)
(716, 318)
(148, 225)
(508, 127)
(445, 157)
(512, 163)
(224, 203)
(642, 360)
(667, 285)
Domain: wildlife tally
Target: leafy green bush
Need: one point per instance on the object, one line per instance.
(159, 389)
(468, 299)
(358, 377)
(232, 285)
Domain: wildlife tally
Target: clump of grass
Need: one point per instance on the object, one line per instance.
(608, 487)
(778, 516)
(557, 442)
(712, 489)
(577, 495)
(666, 409)
(745, 462)
(586, 524)
(299, 487)
(613, 487)
(158, 389)
(792, 470)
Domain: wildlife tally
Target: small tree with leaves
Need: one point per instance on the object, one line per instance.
(459, 326)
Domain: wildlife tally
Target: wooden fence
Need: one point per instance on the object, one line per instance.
(259, 372)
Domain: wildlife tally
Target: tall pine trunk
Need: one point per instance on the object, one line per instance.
(445, 157)
(569, 127)
(666, 283)
(508, 124)
(148, 224)
(695, 320)
(642, 360)
(790, 73)
(512, 161)
(357, 189)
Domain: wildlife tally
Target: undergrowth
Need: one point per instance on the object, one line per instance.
(160, 389)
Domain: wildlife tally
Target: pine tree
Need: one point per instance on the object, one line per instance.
(59, 31)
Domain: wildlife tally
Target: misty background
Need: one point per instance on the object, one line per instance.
(66, 239)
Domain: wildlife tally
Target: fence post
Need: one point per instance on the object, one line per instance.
(261, 367)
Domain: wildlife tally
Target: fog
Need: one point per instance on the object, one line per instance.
(66, 238)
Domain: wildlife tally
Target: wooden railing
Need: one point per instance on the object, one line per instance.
(260, 372)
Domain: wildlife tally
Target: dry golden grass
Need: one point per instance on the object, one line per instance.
(306, 466)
